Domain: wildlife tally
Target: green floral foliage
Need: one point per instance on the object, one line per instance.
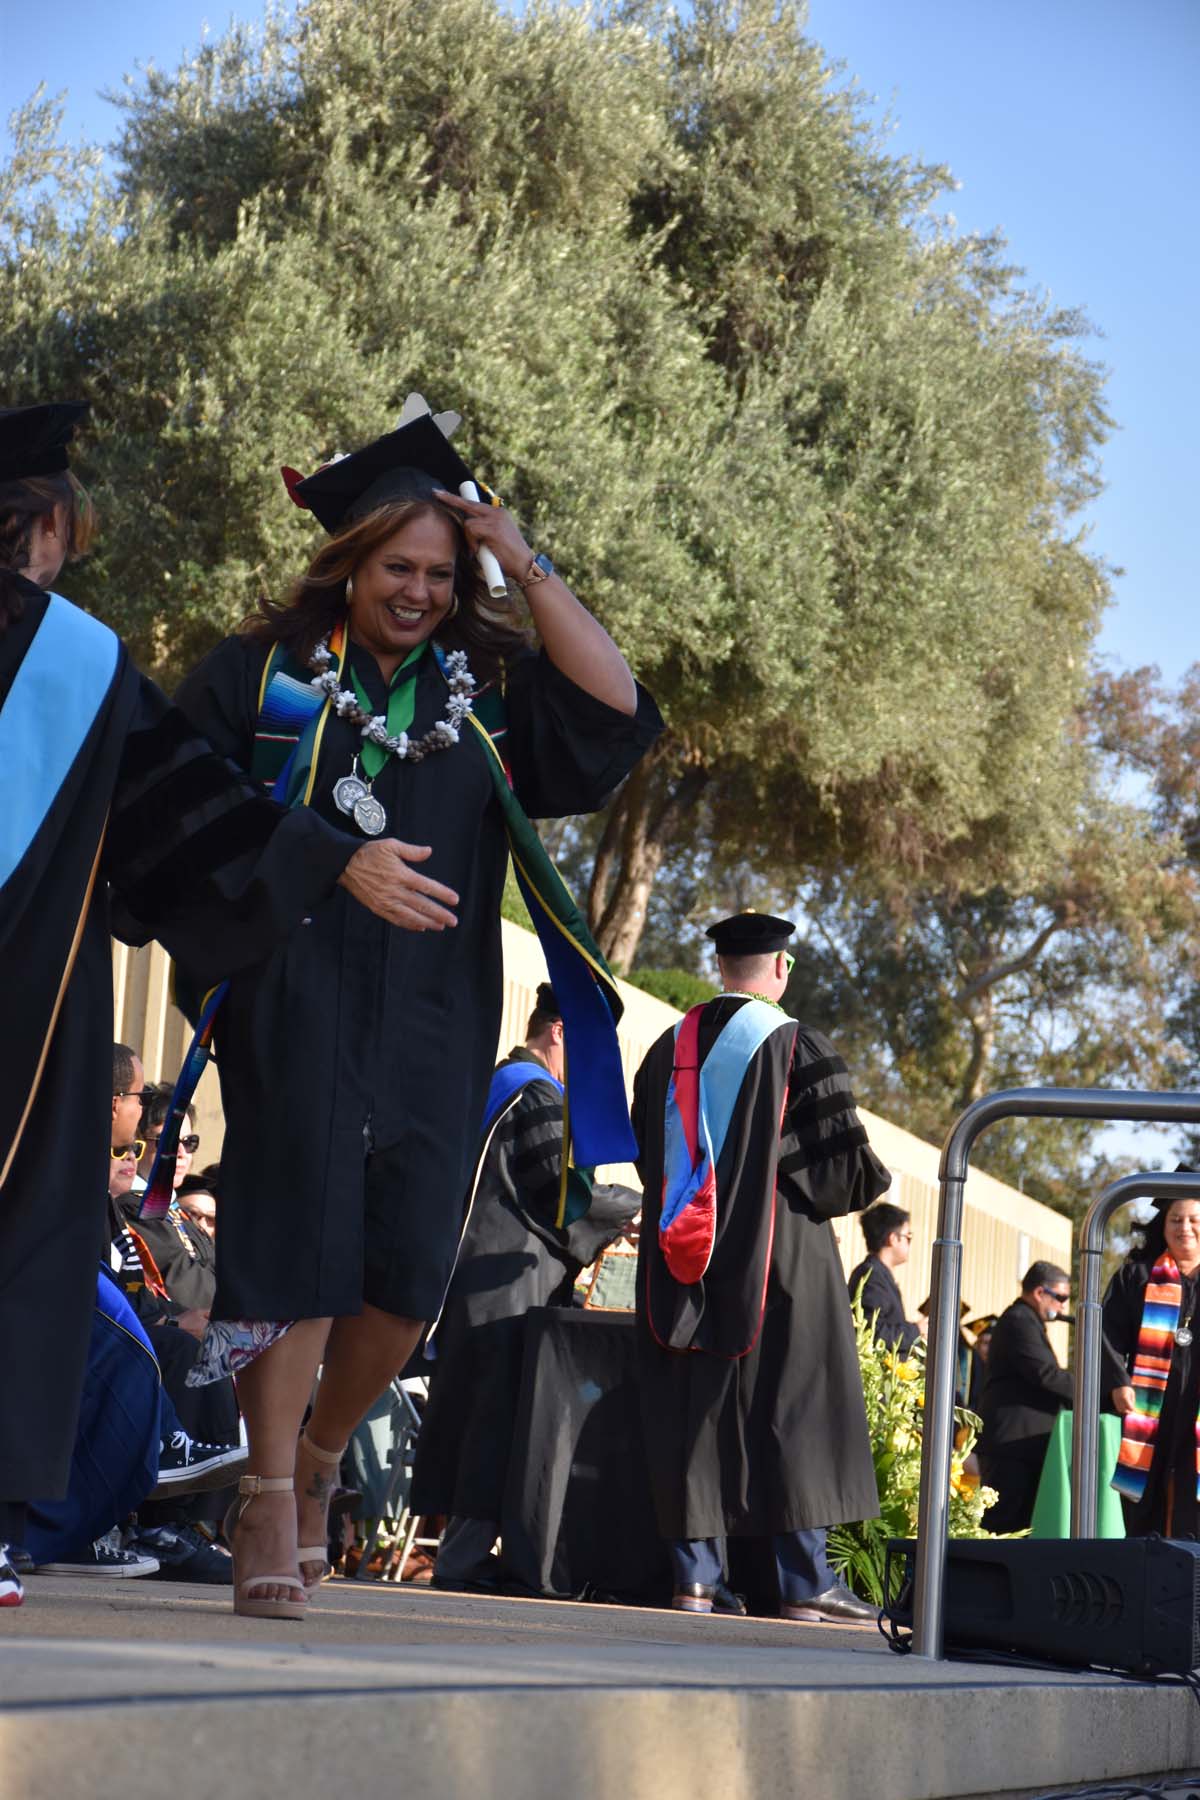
(678, 987)
(894, 1391)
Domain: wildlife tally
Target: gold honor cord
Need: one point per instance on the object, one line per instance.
(68, 968)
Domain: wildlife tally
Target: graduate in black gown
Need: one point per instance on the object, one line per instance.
(513, 1256)
(751, 1396)
(355, 1063)
(111, 802)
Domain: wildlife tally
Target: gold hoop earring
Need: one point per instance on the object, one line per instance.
(452, 610)
(349, 590)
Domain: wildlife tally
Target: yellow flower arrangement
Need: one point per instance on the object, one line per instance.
(894, 1390)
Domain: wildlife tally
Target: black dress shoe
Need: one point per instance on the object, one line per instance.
(726, 1601)
(693, 1597)
(837, 1605)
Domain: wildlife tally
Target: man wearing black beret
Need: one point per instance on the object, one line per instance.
(749, 1144)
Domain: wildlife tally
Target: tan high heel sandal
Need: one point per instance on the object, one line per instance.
(243, 1601)
(318, 1553)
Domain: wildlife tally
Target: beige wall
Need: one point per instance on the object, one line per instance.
(1004, 1231)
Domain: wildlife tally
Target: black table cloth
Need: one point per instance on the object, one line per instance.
(578, 1519)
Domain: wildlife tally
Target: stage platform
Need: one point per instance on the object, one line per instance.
(139, 1690)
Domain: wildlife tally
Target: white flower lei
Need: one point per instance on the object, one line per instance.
(374, 727)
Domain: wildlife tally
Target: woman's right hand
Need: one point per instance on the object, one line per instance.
(1124, 1400)
(380, 876)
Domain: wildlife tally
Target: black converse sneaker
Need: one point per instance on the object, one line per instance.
(104, 1557)
(187, 1466)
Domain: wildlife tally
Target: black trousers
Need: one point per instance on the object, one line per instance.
(1016, 1482)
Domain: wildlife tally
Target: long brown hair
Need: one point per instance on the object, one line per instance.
(485, 628)
(21, 504)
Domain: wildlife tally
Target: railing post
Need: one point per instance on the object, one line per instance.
(938, 1436)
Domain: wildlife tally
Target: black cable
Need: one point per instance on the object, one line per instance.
(1137, 1790)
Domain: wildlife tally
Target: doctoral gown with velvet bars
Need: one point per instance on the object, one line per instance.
(512, 1257)
(193, 855)
(359, 1035)
(751, 1398)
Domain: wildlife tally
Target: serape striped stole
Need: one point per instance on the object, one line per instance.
(1151, 1369)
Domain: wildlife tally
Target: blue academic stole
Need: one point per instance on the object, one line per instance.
(53, 703)
(701, 1098)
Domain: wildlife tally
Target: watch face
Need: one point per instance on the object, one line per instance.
(544, 564)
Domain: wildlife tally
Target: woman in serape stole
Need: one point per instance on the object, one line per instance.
(1153, 1373)
(355, 1063)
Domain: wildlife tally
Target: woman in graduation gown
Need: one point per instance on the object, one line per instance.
(1152, 1373)
(115, 813)
(355, 1064)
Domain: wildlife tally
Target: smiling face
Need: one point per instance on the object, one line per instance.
(1181, 1228)
(403, 589)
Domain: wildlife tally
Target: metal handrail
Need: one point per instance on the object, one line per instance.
(933, 1516)
(1085, 1429)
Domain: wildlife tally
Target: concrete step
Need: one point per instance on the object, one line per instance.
(142, 1690)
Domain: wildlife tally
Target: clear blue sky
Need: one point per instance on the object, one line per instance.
(1070, 124)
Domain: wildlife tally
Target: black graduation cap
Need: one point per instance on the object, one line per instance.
(34, 439)
(407, 464)
(750, 934)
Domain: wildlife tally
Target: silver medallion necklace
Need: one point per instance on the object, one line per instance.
(352, 793)
(350, 790)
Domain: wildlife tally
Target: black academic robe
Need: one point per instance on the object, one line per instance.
(774, 1438)
(184, 1257)
(192, 855)
(1169, 1502)
(512, 1257)
(874, 1282)
(358, 1036)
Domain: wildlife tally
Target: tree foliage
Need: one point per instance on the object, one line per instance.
(814, 456)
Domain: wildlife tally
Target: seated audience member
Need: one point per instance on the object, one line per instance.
(888, 1232)
(201, 1439)
(115, 1459)
(1025, 1389)
(184, 1258)
(197, 1201)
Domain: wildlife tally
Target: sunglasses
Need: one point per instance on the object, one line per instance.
(191, 1143)
(137, 1149)
(130, 1094)
(1051, 1295)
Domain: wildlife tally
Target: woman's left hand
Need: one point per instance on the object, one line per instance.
(493, 527)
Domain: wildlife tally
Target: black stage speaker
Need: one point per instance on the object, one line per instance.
(1130, 1603)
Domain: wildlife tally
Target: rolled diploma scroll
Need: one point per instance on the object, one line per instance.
(489, 568)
